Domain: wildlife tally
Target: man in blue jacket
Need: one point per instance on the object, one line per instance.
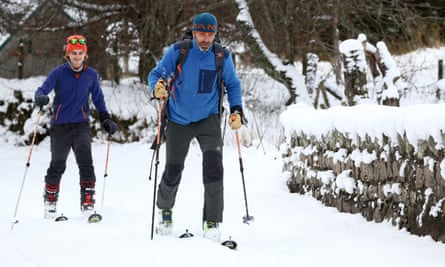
(193, 109)
(73, 83)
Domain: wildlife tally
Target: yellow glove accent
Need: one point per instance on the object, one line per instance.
(160, 89)
(235, 121)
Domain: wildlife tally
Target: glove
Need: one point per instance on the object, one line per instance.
(235, 121)
(41, 100)
(160, 89)
(109, 126)
(236, 117)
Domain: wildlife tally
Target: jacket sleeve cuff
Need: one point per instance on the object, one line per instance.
(236, 109)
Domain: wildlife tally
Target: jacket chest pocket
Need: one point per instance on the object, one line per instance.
(206, 81)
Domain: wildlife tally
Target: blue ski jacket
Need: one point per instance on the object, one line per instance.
(72, 93)
(194, 96)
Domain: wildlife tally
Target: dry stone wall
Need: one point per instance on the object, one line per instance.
(382, 177)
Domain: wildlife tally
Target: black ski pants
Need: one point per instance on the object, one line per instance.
(178, 138)
(64, 137)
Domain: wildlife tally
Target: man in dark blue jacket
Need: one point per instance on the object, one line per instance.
(193, 108)
(73, 83)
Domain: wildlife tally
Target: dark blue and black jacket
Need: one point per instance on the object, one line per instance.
(72, 92)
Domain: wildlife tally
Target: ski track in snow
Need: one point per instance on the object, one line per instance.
(288, 230)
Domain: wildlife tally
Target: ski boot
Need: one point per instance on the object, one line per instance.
(165, 226)
(50, 196)
(211, 231)
(87, 197)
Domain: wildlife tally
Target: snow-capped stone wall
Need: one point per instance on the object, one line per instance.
(385, 163)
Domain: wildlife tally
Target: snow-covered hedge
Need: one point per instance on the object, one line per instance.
(129, 104)
(135, 112)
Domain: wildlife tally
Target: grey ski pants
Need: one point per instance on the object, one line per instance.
(178, 138)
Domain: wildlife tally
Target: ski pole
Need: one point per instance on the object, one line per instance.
(154, 144)
(260, 136)
(224, 129)
(106, 171)
(246, 219)
(151, 164)
(15, 221)
(158, 144)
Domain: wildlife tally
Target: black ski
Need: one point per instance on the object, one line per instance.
(227, 243)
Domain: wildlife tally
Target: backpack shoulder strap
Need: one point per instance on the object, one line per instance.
(183, 52)
(219, 57)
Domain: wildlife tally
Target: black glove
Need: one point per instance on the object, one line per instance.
(41, 100)
(109, 126)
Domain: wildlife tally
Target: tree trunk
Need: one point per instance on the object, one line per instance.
(21, 62)
(336, 41)
(268, 61)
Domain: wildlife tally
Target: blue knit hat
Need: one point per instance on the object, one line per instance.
(205, 22)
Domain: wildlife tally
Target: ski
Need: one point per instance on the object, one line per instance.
(229, 243)
(92, 218)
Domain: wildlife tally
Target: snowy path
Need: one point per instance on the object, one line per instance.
(289, 229)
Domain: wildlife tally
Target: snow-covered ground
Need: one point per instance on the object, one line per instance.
(289, 229)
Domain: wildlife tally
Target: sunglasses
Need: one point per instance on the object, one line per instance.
(75, 41)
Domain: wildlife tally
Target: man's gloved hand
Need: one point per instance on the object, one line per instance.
(161, 89)
(236, 118)
(235, 121)
(109, 126)
(41, 100)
